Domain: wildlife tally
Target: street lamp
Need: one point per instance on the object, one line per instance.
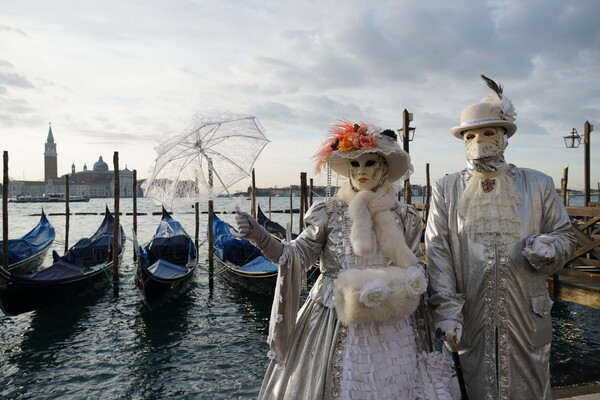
(407, 133)
(573, 141)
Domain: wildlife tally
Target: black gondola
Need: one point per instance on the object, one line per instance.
(85, 265)
(166, 264)
(26, 253)
(242, 263)
(272, 227)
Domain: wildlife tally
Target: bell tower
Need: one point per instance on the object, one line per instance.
(50, 157)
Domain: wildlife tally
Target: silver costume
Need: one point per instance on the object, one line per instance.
(499, 297)
(313, 343)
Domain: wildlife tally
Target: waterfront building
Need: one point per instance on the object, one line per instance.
(97, 182)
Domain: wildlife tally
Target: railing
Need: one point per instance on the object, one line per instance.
(579, 281)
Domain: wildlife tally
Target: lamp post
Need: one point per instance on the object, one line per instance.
(407, 133)
(573, 141)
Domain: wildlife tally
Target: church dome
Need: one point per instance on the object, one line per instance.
(100, 165)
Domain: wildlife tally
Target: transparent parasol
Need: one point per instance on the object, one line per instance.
(205, 160)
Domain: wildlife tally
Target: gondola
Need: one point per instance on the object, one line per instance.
(271, 226)
(241, 262)
(26, 253)
(166, 265)
(85, 265)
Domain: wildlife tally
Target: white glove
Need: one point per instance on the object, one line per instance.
(447, 329)
(540, 250)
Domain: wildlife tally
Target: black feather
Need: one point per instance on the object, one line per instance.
(493, 85)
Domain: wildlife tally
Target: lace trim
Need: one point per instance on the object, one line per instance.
(490, 208)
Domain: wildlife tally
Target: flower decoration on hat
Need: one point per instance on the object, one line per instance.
(346, 136)
(347, 140)
(495, 95)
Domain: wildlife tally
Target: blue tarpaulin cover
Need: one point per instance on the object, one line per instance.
(259, 264)
(165, 269)
(239, 251)
(34, 241)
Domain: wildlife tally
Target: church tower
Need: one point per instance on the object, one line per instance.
(50, 158)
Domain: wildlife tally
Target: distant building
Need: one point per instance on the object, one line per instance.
(99, 182)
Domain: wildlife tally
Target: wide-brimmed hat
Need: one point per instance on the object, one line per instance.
(495, 109)
(348, 140)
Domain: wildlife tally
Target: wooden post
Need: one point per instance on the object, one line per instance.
(5, 184)
(270, 204)
(116, 230)
(134, 191)
(197, 231)
(587, 128)
(253, 196)
(210, 224)
(563, 186)
(405, 139)
(310, 192)
(302, 201)
(67, 212)
(427, 198)
(291, 211)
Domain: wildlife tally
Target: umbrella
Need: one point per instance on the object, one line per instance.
(205, 160)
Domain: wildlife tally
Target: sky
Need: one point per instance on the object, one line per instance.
(122, 76)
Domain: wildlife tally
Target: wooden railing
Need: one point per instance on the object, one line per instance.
(579, 281)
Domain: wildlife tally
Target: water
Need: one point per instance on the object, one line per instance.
(208, 345)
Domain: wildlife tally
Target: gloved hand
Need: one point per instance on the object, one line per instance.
(540, 250)
(449, 328)
(250, 229)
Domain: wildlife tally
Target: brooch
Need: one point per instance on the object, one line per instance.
(487, 184)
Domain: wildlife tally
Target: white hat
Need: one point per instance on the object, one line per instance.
(494, 109)
(348, 141)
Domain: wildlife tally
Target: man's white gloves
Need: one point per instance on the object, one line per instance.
(250, 229)
(447, 329)
(540, 251)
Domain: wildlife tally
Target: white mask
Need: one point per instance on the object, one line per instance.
(484, 142)
(367, 171)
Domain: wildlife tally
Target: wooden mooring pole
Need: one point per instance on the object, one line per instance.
(291, 210)
(302, 201)
(427, 198)
(563, 186)
(5, 184)
(134, 194)
(67, 212)
(211, 239)
(116, 230)
(253, 196)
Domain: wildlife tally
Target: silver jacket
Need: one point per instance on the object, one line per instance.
(499, 297)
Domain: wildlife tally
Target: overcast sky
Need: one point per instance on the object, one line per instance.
(121, 75)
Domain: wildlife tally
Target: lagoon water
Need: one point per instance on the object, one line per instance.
(208, 344)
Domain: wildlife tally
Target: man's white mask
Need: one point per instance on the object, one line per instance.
(484, 142)
(367, 171)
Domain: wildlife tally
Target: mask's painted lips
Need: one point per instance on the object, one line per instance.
(363, 180)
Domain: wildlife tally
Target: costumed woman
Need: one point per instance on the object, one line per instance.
(356, 336)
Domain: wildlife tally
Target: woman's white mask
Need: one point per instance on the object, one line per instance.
(367, 171)
(484, 142)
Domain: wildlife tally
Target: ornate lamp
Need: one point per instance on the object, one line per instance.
(573, 140)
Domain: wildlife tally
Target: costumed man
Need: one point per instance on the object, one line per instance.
(355, 337)
(494, 233)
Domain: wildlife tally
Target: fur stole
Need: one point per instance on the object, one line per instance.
(374, 224)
